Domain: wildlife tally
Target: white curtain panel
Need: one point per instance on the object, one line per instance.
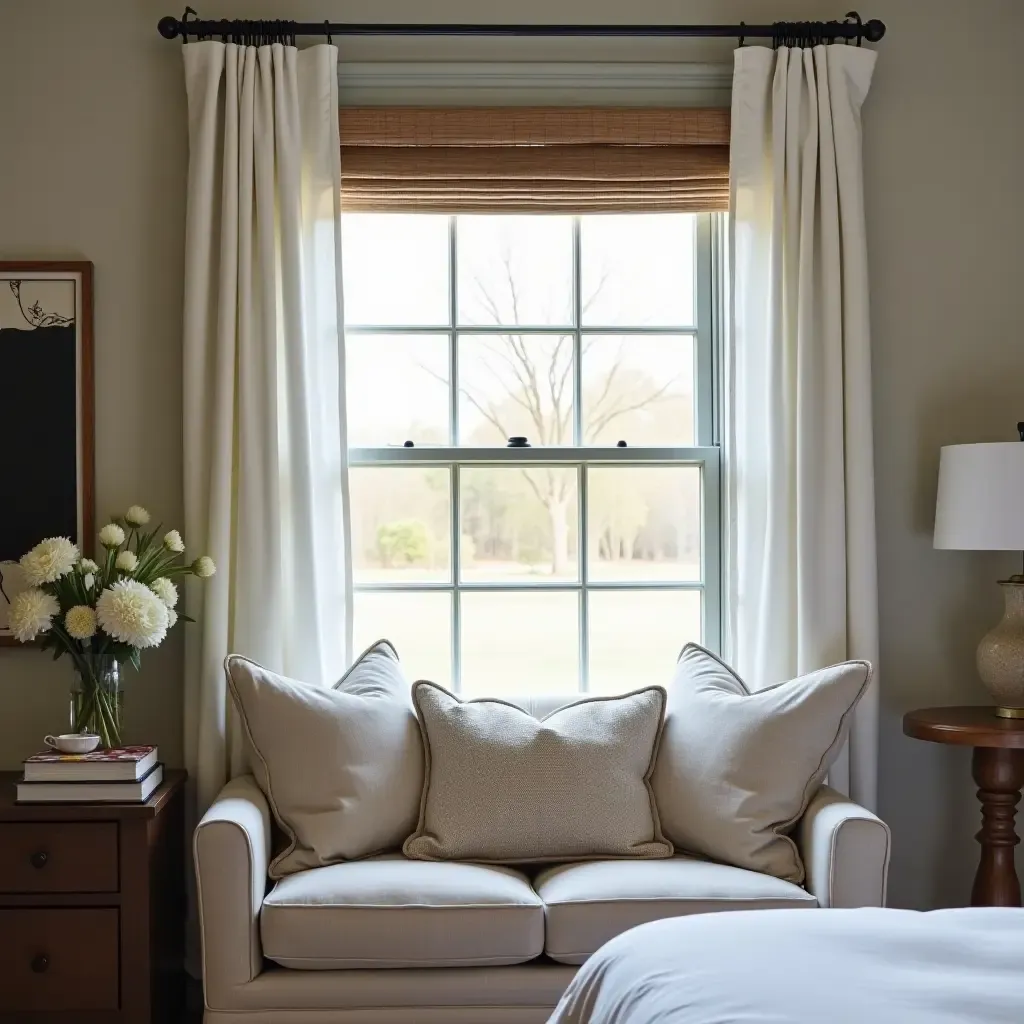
(265, 450)
(801, 573)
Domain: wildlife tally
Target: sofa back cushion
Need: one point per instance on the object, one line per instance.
(504, 787)
(341, 766)
(737, 768)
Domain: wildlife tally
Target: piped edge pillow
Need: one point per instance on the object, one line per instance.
(503, 787)
(738, 767)
(341, 766)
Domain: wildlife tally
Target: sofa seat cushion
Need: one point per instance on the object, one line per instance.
(392, 912)
(588, 904)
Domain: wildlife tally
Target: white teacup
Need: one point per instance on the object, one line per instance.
(73, 742)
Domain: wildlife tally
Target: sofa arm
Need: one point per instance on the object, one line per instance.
(845, 849)
(231, 847)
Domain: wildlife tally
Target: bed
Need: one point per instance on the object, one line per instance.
(794, 967)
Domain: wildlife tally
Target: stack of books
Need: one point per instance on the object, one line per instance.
(123, 775)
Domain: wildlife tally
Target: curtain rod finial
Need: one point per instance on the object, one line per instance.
(168, 27)
(874, 30)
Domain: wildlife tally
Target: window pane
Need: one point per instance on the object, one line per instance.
(397, 388)
(643, 523)
(637, 270)
(519, 525)
(401, 529)
(516, 643)
(395, 269)
(515, 384)
(636, 636)
(515, 270)
(419, 625)
(638, 388)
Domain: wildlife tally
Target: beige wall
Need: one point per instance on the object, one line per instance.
(92, 166)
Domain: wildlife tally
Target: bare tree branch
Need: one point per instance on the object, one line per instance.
(597, 291)
(556, 386)
(489, 304)
(600, 422)
(534, 487)
(488, 414)
(616, 365)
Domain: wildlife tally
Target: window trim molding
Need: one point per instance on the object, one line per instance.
(505, 83)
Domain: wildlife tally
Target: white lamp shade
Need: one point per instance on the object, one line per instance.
(981, 497)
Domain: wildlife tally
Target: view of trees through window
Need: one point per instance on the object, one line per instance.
(490, 572)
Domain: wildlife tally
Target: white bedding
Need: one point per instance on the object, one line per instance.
(868, 966)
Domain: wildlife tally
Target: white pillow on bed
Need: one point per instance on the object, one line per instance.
(737, 768)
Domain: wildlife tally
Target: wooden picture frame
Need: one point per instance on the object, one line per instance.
(47, 481)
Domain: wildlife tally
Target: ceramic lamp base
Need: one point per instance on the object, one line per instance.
(1001, 654)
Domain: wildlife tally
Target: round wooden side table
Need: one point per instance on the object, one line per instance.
(998, 769)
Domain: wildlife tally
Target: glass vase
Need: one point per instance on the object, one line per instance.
(96, 699)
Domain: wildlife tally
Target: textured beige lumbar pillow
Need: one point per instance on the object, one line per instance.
(341, 766)
(737, 768)
(503, 787)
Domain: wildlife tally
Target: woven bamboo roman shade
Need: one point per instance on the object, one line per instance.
(534, 160)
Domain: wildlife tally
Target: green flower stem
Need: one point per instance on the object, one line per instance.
(154, 564)
(97, 708)
(110, 732)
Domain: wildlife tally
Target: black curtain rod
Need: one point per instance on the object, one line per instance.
(782, 33)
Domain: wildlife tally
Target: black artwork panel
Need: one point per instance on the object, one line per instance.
(38, 480)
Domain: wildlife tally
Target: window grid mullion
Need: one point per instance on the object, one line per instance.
(582, 547)
(520, 329)
(456, 545)
(455, 513)
(453, 337)
(517, 588)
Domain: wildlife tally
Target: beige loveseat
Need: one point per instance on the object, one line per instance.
(394, 941)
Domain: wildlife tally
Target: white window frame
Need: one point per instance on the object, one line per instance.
(709, 270)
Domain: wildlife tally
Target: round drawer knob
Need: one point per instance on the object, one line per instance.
(40, 963)
(39, 859)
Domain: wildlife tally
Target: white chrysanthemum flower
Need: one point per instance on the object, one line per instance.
(88, 565)
(111, 536)
(88, 579)
(172, 617)
(49, 560)
(204, 567)
(80, 622)
(173, 542)
(136, 516)
(165, 590)
(32, 612)
(127, 561)
(130, 612)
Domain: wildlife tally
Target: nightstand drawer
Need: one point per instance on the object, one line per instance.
(58, 960)
(57, 857)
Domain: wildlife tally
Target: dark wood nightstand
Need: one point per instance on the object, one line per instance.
(92, 909)
(998, 769)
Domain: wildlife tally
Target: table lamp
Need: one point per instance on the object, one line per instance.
(980, 507)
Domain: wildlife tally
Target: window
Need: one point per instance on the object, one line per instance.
(576, 563)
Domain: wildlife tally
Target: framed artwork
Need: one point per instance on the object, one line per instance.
(46, 395)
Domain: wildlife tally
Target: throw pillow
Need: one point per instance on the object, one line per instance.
(737, 768)
(504, 787)
(341, 766)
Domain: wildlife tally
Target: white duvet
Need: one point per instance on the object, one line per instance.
(867, 966)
